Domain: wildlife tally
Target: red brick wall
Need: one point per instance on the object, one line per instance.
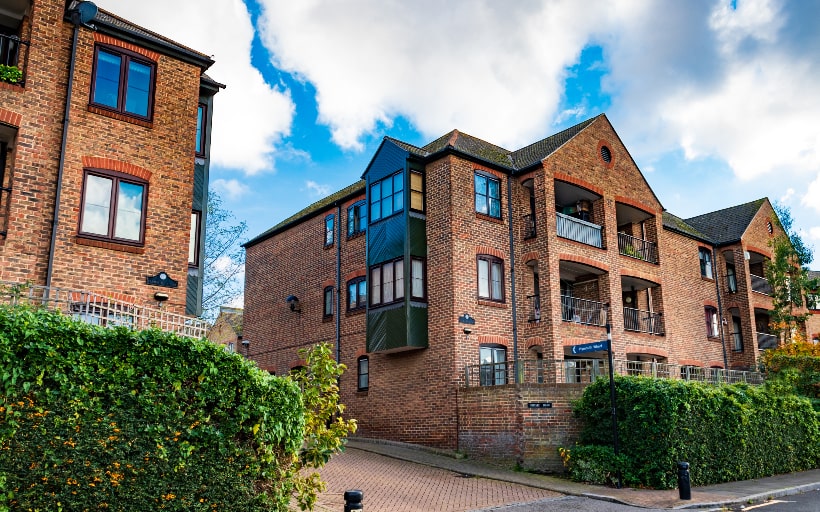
(165, 149)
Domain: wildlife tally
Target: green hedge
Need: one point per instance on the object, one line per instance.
(726, 433)
(94, 418)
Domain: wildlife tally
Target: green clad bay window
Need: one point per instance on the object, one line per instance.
(387, 281)
(387, 197)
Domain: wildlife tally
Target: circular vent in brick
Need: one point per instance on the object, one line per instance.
(606, 154)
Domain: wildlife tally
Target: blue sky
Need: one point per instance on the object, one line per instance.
(716, 100)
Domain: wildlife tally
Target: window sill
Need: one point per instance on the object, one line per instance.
(355, 235)
(120, 117)
(713, 338)
(489, 218)
(329, 246)
(704, 278)
(362, 392)
(355, 312)
(491, 303)
(114, 246)
(326, 319)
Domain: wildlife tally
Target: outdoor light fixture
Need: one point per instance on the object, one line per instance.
(467, 332)
(160, 297)
(293, 302)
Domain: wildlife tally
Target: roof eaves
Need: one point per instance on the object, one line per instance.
(680, 226)
(309, 212)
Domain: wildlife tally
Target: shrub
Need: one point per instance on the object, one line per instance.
(726, 433)
(138, 420)
(10, 74)
(593, 464)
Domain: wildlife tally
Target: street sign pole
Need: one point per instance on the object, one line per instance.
(612, 395)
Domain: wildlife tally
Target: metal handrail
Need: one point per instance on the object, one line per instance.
(637, 248)
(578, 230)
(761, 285)
(638, 320)
(99, 309)
(582, 311)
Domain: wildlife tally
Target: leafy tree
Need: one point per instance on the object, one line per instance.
(788, 276)
(224, 257)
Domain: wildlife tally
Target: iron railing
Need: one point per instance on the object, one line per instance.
(585, 371)
(637, 248)
(14, 52)
(766, 341)
(528, 226)
(637, 320)
(582, 311)
(578, 230)
(761, 285)
(98, 309)
(535, 308)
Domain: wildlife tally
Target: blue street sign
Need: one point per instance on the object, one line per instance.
(595, 346)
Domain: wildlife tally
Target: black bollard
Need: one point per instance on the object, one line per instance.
(684, 485)
(353, 500)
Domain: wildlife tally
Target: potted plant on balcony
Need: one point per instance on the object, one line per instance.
(10, 74)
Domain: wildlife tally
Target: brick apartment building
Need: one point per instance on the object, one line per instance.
(104, 138)
(459, 267)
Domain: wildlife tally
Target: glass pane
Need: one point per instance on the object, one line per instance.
(351, 222)
(483, 278)
(416, 182)
(387, 188)
(376, 211)
(493, 189)
(138, 88)
(387, 206)
(486, 355)
(398, 182)
(329, 230)
(481, 204)
(107, 79)
(328, 302)
(199, 115)
(417, 201)
(496, 278)
(417, 271)
(400, 279)
(480, 184)
(361, 213)
(375, 192)
(362, 293)
(352, 297)
(495, 208)
(398, 201)
(376, 286)
(128, 222)
(193, 239)
(97, 207)
(388, 282)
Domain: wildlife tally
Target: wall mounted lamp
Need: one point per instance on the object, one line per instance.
(160, 297)
(467, 332)
(293, 302)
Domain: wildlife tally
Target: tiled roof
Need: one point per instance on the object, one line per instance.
(675, 223)
(351, 190)
(727, 225)
(105, 19)
(534, 153)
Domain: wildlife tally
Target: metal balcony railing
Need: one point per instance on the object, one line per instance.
(760, 285)
(637, 248)
(97, 309)
(766, 341)
(14, 52)
(637, 320)
(585, 371)
(582, 311)
(578, 230)
(535, 308)
(528, 227)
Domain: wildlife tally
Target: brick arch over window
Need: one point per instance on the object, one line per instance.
(535, 341)
(104, 39)
(581, 183)
(110, 164)
(10, 118)
(758, 250)
(354, 275)
(494, 339)
(637, 204)
(489, 251)
(530, 256)
(715, 364)
(643, 349)
(691, 362)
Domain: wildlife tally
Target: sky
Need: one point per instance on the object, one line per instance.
(716, 100)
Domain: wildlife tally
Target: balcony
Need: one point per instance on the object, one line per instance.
(649, 322)
(766, 341)
(578, 230)
(100, 310)
(761, 285)
(528, 227)
(637, 248)
(585, 371)
(13, 58)
(535, 308)
(582, 311)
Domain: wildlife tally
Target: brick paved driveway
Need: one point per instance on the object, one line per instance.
(392, 485)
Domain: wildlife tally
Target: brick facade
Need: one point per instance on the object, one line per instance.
(625, 264)
(160, 153)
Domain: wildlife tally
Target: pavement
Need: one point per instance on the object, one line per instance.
(452, 483)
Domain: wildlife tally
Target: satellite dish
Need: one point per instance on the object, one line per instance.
(86, 11)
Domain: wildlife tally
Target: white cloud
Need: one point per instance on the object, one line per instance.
(232, 189)
(317, 189)
(814, 233)
(812, 197)
(250, 116)
(492, 69)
